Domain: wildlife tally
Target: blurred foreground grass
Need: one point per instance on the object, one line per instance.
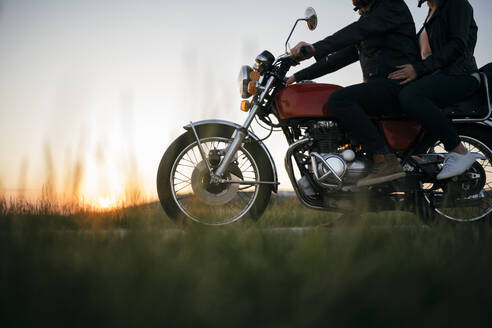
(134, 267)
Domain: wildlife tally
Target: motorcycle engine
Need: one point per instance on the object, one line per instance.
(333, 162)
(327, 136)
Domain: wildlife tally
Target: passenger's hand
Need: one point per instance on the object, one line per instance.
(296, 51)
(291, 80)
(405, 72)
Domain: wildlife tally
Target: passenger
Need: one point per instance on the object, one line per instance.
(446, 73)
(382, 39)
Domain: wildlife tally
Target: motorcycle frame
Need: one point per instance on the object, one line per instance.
(420, 142)
(265, 100)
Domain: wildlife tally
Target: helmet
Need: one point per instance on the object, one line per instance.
(360, 3)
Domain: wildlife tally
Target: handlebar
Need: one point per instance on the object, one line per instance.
(307, 51)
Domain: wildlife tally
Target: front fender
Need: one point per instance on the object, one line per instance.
(232, 127)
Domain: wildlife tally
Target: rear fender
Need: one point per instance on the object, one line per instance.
(486, 124)
(232, 127)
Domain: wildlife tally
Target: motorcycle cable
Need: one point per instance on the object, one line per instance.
(268, 121)
(269, 133)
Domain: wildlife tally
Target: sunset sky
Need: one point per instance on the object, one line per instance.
(93, 91)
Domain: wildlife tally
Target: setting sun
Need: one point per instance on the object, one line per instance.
(106, 202)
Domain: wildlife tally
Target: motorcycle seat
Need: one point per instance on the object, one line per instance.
(477, 107)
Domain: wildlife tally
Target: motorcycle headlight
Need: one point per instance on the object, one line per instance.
(243, 81)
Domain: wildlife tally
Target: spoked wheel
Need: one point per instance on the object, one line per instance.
(186, 189)
(468, 197)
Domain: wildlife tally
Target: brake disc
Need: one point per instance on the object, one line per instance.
(208, 193)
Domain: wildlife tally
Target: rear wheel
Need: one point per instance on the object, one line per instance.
(468, 197)
(184, 183)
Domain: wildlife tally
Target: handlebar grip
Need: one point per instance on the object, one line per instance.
(306, 51)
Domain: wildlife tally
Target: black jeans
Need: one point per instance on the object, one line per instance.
(353, 105)
(423, 99)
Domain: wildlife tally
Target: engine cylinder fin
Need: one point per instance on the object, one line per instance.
(328, 136)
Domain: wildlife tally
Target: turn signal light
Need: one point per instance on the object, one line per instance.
(252, 87)
(244, 105)
(254, 75)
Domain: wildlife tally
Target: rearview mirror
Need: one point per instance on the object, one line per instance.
(311, 18)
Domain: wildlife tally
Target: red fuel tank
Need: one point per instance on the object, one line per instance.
(305, 100)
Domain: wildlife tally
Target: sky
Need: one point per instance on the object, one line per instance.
(93, 91)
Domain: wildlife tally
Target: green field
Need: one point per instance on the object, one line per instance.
(135, 267)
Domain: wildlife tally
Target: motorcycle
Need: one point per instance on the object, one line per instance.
(217, 171)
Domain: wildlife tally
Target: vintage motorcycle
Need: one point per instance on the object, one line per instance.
(218, 171)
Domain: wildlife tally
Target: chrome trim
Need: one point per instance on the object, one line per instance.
(202, 152)
(241, 135)
(197, 220)
(290, 35)
(290, 171)
(472, 120)
(487, 123)
(244, 182)
(251, 135)
(229, 154)
(311, 18)
(243, 80)
(315, 156)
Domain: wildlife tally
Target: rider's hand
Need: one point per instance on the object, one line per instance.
(296, 51)
(405, 72)
(291, 80)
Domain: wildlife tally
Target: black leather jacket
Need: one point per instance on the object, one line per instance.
(452, 36)
(381, 39)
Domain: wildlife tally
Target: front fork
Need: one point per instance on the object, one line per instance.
(239, 136)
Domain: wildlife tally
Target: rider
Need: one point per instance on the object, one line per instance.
(383, 38)
(447, 73)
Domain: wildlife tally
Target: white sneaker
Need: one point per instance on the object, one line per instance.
(456, 164)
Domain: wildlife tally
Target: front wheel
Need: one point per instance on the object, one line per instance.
(184, 184)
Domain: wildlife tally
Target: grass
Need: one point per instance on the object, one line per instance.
(384, 270)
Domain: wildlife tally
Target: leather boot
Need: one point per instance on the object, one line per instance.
(386, 168)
